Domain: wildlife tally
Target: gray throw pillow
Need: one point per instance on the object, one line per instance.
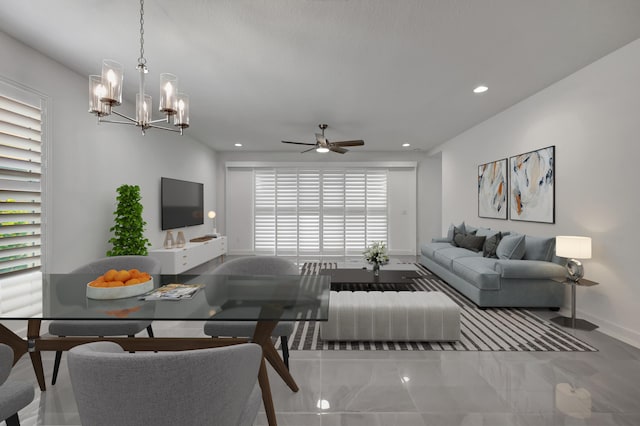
(511, 247)
(537, 248)
(491, 244)
(458, 236)
(472, 242)
(450, 232)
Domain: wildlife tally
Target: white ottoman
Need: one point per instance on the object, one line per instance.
(391, 316)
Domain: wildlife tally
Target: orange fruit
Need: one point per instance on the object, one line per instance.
(110, 275)
(123, 276)
(132, 281)
(115, 284)
(134, 273)
(100, 279)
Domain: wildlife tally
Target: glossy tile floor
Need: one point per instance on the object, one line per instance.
(344, 388)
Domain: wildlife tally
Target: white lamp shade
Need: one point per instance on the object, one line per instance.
(573, 247)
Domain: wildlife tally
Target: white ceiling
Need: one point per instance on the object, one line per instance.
(386, 71)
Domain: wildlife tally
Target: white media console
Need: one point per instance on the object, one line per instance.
(178, 260)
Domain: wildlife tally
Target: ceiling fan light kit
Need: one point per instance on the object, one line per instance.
(105, 92)
(323, 145)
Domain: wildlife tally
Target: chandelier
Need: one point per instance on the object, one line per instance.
(105, 92)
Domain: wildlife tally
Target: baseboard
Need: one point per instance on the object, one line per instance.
(631, 337)
(407, 252)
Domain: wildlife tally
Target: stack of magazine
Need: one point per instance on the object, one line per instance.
(172, 292)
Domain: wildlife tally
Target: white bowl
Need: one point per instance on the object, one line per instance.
(103, 293)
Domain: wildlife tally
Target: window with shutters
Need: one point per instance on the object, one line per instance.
(20, 203)
(326, 212)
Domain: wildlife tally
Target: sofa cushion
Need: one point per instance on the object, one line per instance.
(479, 271)
(450, 232)
(491, 244)
(486, 232)
(511, 247)
(472, 242)
(537, 248)
(529, 269)
(429, 249)
(445, 256)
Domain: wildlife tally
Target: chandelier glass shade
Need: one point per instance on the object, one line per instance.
(105, 93)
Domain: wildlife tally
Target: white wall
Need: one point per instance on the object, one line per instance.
(421, 203)
(592, 117)
(88, 162)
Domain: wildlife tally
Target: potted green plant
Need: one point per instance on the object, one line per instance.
(128, 230)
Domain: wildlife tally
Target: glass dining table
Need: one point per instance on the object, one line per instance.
(264, 299)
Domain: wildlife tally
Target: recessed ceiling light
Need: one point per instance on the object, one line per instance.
(480, 89)
(237, 144)
(406, 144)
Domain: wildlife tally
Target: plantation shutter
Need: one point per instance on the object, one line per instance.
(265, 211)
(20, 206)
(309, 212)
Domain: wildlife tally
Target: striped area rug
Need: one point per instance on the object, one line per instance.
(492, 329)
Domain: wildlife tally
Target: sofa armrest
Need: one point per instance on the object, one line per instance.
(440, 240)
(530, 269)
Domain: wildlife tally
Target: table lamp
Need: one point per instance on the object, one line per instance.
(212, 215)
(574, 248)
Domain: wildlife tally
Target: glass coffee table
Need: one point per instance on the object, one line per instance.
(364, 279)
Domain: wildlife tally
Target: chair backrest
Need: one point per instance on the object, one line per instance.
(6, 362)
(197, 387)
(257, 265)
(100, 266)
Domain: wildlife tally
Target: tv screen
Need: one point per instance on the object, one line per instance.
(181, 203)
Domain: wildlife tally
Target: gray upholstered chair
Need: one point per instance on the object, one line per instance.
(14, 396)
(254, 265)
(215, 386)
(99, 327)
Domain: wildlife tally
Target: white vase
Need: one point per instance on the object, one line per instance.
(180, 241)
(168, 240)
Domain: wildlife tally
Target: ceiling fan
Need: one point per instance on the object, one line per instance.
(323, 145)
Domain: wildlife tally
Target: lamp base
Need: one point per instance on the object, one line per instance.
(576, 323)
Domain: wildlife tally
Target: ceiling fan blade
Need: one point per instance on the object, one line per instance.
(348, 143)
(307, 150)
(321, 139)
(299, 143)
(337, 149)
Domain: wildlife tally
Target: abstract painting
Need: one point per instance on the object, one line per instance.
(532, 192)
(492, 190)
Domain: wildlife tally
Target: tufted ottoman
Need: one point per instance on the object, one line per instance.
(391, 316)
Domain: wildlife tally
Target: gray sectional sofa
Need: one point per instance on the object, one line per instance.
(510, 270)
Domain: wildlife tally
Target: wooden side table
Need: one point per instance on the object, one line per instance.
(573, 322)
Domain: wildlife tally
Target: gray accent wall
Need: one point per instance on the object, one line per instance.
(592, 119)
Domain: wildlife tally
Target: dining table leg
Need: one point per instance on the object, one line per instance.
(15, 342)
(33, 333)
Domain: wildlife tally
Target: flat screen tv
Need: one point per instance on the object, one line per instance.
(181, 203)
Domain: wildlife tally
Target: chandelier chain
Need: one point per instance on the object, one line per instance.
(141, 60)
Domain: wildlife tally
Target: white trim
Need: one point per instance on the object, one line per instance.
(341, 165)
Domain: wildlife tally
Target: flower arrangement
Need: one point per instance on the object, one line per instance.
(376, 253)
